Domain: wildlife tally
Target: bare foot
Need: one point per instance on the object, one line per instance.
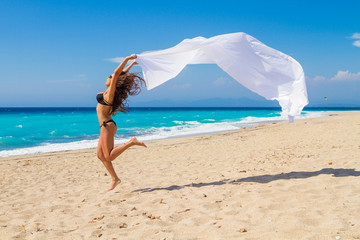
(114, 184)
(137, 142)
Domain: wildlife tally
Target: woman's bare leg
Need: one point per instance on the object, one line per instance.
(115, 180)
(113, 155)
(106, 143)
(109, 166)
(120, 149)
(109, 153)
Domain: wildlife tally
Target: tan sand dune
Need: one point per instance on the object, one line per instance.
(276, 181)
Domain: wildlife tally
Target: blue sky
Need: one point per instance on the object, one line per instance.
(56, 53)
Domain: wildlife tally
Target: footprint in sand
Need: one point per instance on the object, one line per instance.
(117, 225)
(114, 202)
(200, 221)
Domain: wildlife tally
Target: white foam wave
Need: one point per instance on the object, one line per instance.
(186, 122)
(185, 128)
(46, 148)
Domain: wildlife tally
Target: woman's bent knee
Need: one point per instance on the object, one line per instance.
(99, 155)
(103, 158)
(107, 158)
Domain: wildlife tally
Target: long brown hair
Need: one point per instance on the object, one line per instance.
(127, 84)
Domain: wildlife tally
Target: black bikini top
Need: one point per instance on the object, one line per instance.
(101, 100)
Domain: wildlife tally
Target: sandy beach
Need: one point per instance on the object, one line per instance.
(274, 181)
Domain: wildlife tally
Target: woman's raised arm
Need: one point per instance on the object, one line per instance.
(109, 95)
(121, 66)
(130, 66)
(116, 74)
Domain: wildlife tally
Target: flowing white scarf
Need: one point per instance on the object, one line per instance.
(264, 70)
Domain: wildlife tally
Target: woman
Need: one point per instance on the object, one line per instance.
(119, 85)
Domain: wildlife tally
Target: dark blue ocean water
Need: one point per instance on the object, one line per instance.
(36, 130)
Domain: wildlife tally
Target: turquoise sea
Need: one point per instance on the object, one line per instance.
(38, 130)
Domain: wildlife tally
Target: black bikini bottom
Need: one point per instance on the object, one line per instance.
(106, 123)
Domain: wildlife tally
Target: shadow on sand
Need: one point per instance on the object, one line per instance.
(341, 172)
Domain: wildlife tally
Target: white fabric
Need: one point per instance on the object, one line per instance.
(264, 70)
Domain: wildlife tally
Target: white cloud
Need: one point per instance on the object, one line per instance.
(319, 78)
(355, 36)
(221, 81)
(118, 60)
(183, 86)
(346, 75)
(356, 43)
(77, 78)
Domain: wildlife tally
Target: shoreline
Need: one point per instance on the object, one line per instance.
(90, 144)
(274, 181)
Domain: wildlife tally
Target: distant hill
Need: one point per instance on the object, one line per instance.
(240, 102)
(211, 102)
